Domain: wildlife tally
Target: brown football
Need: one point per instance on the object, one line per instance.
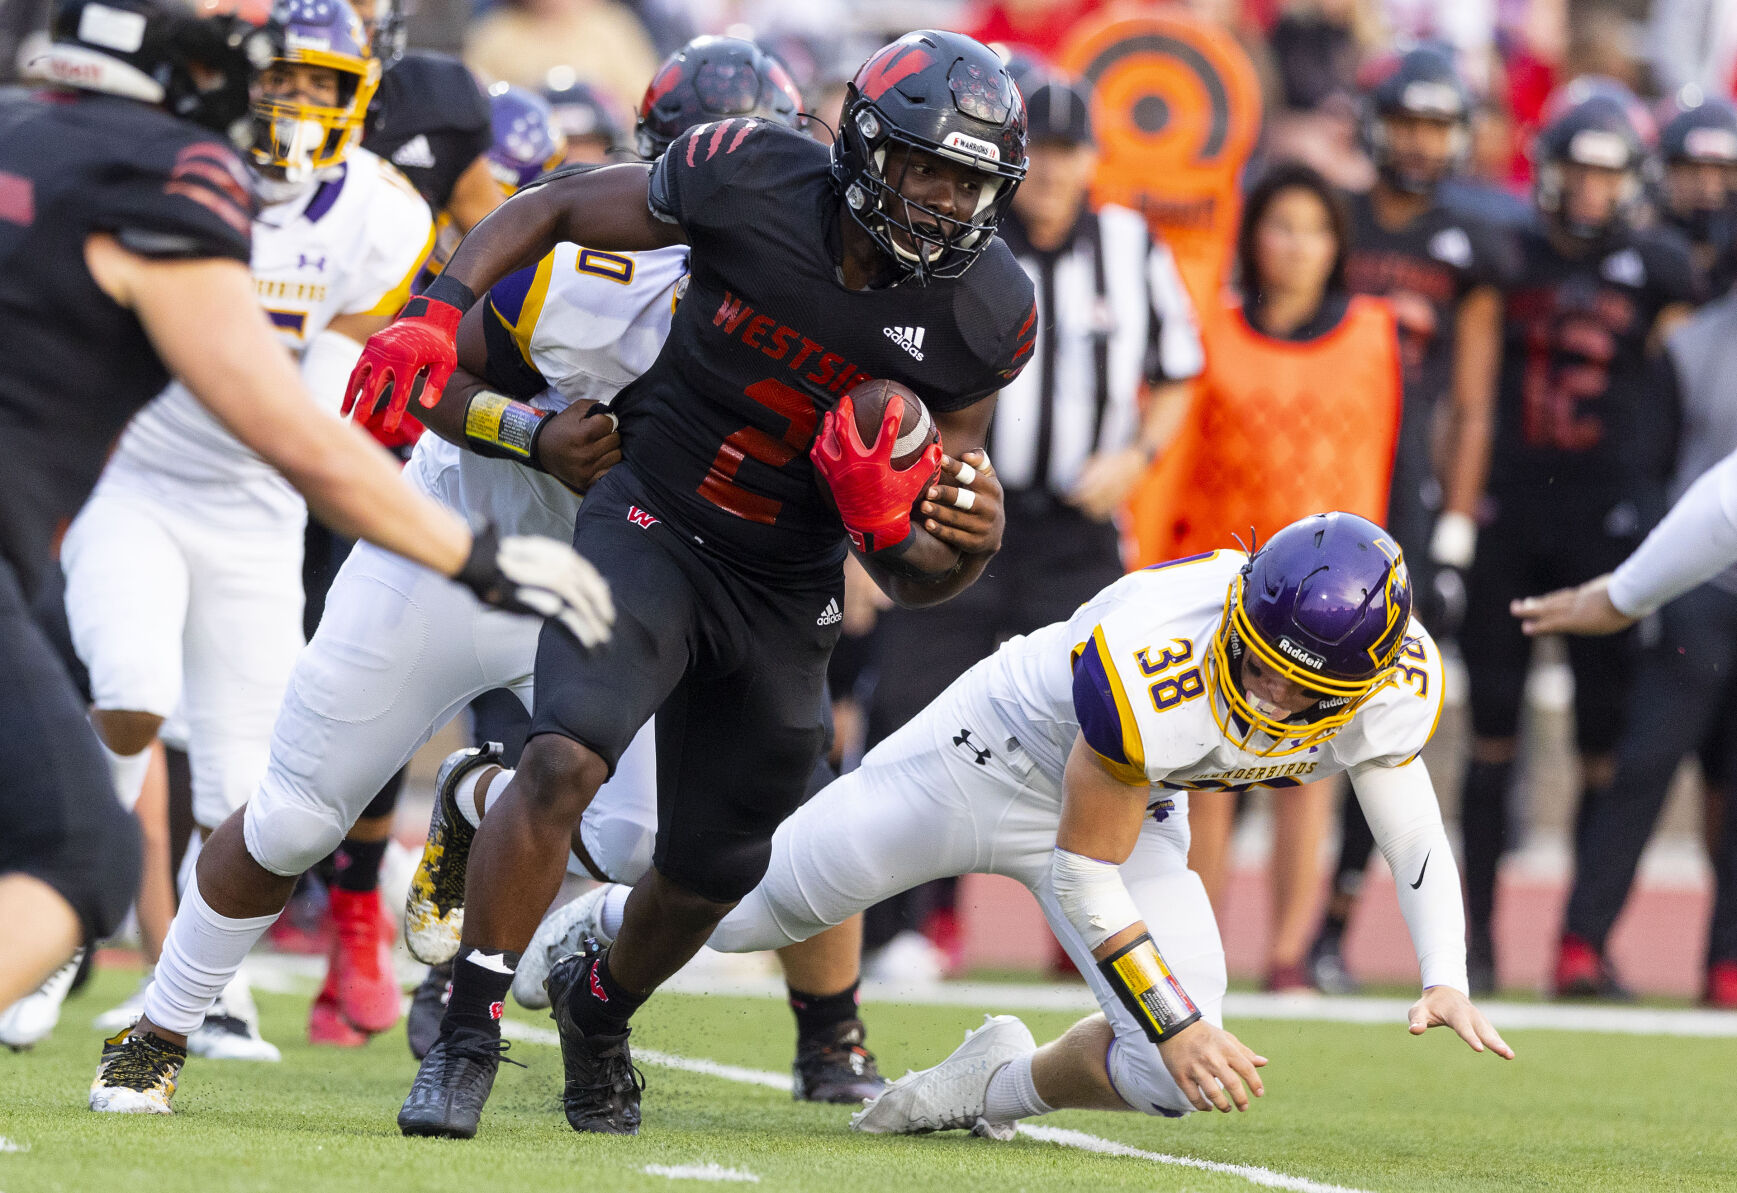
(917, 428)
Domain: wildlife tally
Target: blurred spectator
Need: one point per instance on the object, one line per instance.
(1694, 42)
(1316, 46)
(1075, 431)
(1297, 411)
(1038, 26)
(602, 41)
(1579, 457)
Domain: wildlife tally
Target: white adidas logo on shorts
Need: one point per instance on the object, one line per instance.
(831, 615)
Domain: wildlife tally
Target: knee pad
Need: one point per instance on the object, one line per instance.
(1140, 1078)
(287, 832)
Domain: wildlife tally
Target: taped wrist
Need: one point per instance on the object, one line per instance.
(449, 290)
(1148, 989)
(496, 425)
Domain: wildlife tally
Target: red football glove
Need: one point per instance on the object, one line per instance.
(873, 497)
(421, 338)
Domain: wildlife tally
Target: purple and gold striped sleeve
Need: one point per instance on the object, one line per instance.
(1106, 718)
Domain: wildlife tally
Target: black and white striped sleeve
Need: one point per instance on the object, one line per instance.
(1173, 351)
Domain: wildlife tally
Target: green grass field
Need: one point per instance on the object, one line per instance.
(1364, 1107)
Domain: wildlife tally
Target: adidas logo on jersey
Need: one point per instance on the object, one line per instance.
(831, 615)
(908, 338)
(414, 154)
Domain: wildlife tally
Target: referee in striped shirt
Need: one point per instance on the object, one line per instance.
(1076, 430)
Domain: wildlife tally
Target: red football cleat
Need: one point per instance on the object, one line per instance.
(361, 967)
(326, 1023)
(1582, 972)
(1722, 986)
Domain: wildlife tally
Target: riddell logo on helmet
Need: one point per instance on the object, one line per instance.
(1307, 658)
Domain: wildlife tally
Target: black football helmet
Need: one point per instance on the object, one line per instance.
(712, 78)
(948, 95)
(1596, 122)
(1422, 84)
(387, 31)
(1702, 133)
(194, 62)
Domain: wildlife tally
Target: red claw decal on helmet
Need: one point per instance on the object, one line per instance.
(666, 81)
(890, 67)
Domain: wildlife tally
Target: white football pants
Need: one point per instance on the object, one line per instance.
(922, 807)
(171, 611)
(398, 653)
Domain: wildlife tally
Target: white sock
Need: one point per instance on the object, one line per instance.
(201, 956)
(128, 772)
(465, 793)
(614, 909)
(1013, 1094)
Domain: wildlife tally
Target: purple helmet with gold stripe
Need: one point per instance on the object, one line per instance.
(1325, 604)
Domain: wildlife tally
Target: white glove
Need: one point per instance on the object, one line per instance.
(1455, 541)
(539, 576)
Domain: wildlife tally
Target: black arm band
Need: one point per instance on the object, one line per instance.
(497, 426)
(451, 291)
(1148, 989)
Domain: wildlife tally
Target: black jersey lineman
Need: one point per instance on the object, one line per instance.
(1423, 270)
(74, 368)
(431, 120)
(722, 550)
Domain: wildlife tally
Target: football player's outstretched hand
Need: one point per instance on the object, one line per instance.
(965, 507)
(874, 499)
(421, 338)
(539, 576)
(1212, 1066)
(1586, 609)
(1443, 1006)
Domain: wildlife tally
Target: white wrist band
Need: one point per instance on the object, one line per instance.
(1455, 540)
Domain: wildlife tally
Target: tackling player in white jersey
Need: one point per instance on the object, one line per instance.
(1064, 761)
(183, 570)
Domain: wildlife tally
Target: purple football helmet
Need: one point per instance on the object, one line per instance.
(1325, 604)
(527, 143)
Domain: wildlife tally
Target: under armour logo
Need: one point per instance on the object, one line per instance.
(979, 755)
(303, 261)
(640, 518)
(597, 984)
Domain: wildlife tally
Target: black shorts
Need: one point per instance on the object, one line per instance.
(734, 669)
(59, 819)
(1540, 541)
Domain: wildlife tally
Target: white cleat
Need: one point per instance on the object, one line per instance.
(562, 931)
(231, 1029)
(31, 1019)
(126, 1014)
(952, 1095)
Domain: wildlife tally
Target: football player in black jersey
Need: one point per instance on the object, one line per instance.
(721, 529)
(124, 240)
(1581, 451)
(1442, 271)
(1698, 185)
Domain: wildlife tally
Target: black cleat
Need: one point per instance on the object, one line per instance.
(836, 1067)
(602, 1087)
(434, 909)
(446, 1100)
(427, 1007)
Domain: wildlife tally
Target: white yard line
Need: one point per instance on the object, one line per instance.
(288, 973)
(700, 1172)
(1264, 1177)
